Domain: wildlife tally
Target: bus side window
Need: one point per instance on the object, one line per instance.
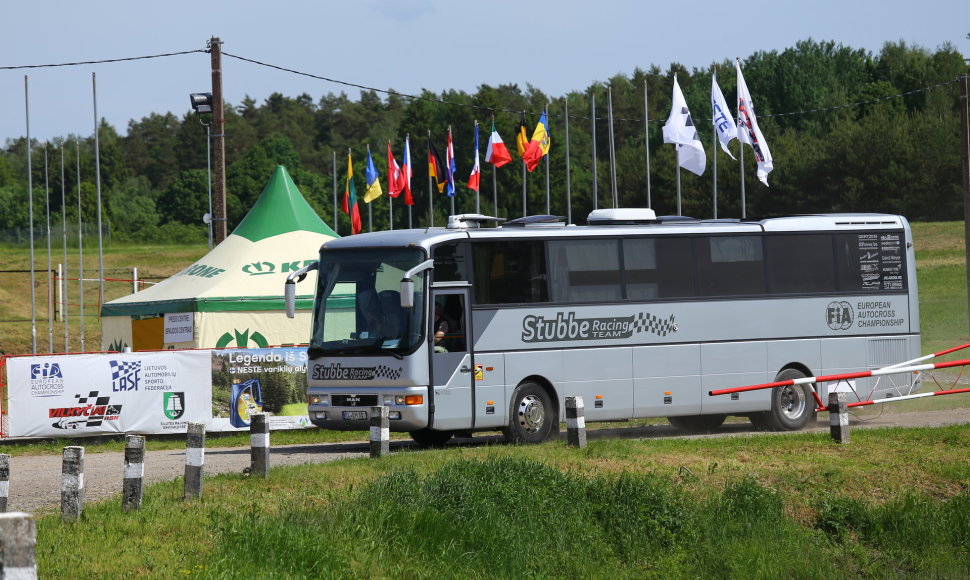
(449, 331)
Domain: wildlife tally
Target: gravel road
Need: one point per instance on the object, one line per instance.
(35, 480)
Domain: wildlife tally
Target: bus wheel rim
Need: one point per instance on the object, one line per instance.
(792, 402)
(531, 413)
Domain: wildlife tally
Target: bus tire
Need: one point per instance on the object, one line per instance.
(792, 406)
(531, 415)
(430, 438)
(697, 423)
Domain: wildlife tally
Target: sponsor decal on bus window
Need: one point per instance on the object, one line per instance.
(565, 326)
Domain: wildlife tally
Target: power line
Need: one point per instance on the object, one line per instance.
(110, 60)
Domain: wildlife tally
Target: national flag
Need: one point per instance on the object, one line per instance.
(373, 183)
(748, 130)
(475, 177)
(497, 153)
(450, 165)
(436, 169)
(395, 178)
(349, 203)
(538, 147)
(723, 122)
(521, 138)
(406, 172)
(680, 129)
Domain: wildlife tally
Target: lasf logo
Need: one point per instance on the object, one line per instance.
(839, 315)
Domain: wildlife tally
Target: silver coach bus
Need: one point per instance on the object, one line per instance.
(471, 328)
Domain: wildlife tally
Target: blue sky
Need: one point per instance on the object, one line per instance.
(407, 45)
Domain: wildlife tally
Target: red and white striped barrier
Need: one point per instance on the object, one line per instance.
(894, 370)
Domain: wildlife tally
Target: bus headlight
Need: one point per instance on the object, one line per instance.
(319, 400)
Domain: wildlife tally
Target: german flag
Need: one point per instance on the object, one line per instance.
(436, 169)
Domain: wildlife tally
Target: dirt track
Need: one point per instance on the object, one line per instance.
(35, 480)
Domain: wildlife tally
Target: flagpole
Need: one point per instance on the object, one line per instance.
(430, 194)
(524, 212)
(335, 191)
(67, 334)
(646, 137)
(390, 200)
(370, 204)
(97, 181)
(678, 180)
(592, 120)
(407, 146)
(30, 212)
(714, 138)
(548, 161)
(741, 158)
(609, 109)
(50, 293)
(80, 244)
(478, 207)
(569, 194)
(737, 67)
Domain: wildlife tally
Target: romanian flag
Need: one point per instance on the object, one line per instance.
(436, 169)
(497, 153)
(373, 183)
(450, 165)
(349, 203)
(394, 175)
(475, 177)
(406, 172)
(538, 147)
(520, 138)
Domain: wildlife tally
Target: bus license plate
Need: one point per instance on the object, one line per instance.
(355, 415)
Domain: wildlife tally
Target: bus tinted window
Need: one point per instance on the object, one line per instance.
(510, 272)
(800, 263)
(659, 267)
(584, 270)
(729, 265)
(449, 263)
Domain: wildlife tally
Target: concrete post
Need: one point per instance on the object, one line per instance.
(72, 483)
(18, 541)
(380, 432)
(194, 458)
(259, 444)
(133, 483)
(838, 418)
(4, 481)
(575, 422)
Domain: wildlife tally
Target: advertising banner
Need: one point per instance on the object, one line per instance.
(256, 377)
(87, 394)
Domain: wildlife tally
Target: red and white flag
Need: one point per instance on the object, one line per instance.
(394, 175)
(497, 153)
(406, 172)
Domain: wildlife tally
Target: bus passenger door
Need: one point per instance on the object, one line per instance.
(452, 360)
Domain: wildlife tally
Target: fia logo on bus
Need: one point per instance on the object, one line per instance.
(839, 315)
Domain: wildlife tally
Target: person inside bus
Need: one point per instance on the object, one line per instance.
(441, 328)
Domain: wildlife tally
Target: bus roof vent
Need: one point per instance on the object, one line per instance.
(470, 220)
(622, 216)
(537, 221)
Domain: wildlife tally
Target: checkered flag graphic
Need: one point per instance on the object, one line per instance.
(644, 322)
(386, 372)
(123, 368)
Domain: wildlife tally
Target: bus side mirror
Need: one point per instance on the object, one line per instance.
(407, 293)
(289, 295)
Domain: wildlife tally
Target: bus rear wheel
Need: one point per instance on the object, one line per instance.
(697, 423)
(531, 416)
(429, 438)
(792, 406)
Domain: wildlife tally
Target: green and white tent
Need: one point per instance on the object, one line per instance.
(232, 296)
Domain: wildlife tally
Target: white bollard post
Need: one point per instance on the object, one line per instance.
(380, 432)
(575, 422)
(4, 481)
(18, 543)
(133, 483)
(72, 483)
(194, 458)
(838, 418)
(259, 444)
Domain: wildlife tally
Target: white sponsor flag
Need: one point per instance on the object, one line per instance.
(680, 129)
(723, 122)
(748, 131)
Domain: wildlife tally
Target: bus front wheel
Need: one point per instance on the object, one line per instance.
(531, 416)
(792, 406)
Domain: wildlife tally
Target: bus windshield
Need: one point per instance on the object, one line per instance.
(359, 303)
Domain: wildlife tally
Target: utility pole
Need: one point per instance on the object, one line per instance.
(218, 142)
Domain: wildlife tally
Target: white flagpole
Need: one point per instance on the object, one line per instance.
(714, 153)
(64, 311)
(592, 120)
(430, 186)
(390, 200)
(678, 180)
(335, 191)
(547, 162)
(97, 181)
(30, 214)
(646, 137)
(569, 193)
(80, 244)
(613, 188)
(50, 288)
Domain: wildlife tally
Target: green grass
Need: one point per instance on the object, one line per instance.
(894, 503)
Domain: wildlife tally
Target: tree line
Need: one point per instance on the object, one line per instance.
(849, 130)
